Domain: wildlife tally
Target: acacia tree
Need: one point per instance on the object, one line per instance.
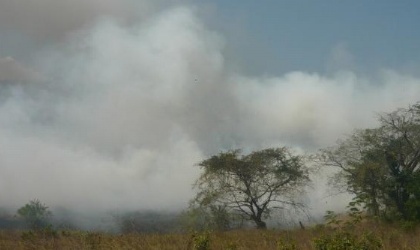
(252, 185)
(381, 166)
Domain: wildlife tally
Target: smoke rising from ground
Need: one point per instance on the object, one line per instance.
(118, 114)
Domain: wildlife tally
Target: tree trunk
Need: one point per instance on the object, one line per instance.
(260, 224)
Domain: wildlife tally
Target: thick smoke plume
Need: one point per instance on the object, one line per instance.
(115, 114)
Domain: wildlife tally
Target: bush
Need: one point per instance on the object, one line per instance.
(35, 214)
(347, 241)
(201, 241)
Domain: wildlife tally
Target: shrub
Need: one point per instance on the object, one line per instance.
(35, 214)
(201, 241)
(347, 241)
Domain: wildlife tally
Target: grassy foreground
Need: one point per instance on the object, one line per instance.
(378, 236)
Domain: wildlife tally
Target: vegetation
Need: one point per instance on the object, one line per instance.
(250, 186)
(147, 222)
(380, 166)
(364, 235)
(35, 214)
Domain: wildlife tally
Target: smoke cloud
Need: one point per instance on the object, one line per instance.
(49, 19)
(11, 72)
(118, 114)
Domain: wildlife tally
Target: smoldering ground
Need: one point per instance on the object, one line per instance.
(112, 110)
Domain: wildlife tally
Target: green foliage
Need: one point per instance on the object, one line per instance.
(354, 217)
(250, 185)
(35, 214)
(201, 241)
(332, 219)
(381, 166)
(413, 204)
(408, 226)
(347, 241)
(355, 212)
(286, 245)
(29, 236)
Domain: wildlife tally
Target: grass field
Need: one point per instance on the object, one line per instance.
(382, 235)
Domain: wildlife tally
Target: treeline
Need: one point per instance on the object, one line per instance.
(36, 215)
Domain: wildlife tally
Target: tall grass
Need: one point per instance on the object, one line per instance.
(320, 237)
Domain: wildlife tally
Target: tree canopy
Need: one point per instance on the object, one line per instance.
(381, 165)
(251, 186)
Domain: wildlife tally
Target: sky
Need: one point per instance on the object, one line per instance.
(287, 35)
(108, 105)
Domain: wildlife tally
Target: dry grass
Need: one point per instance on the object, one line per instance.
(391, 237)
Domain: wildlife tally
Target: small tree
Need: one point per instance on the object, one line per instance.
(252, 185)
(35, 214)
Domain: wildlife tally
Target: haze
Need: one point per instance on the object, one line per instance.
(109, 105)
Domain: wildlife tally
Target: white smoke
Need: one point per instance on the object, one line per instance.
(119, 114)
